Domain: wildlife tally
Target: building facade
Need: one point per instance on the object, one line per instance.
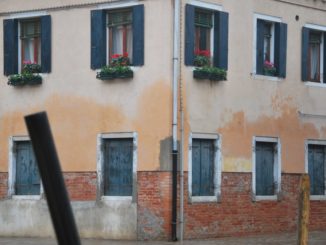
(232, 95)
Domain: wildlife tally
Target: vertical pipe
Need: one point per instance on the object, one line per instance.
(50, 171)
(176, 33)
(181, 173)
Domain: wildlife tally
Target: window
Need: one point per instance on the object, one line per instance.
(30, 42)
(266, 168)
(270, 51)
(204, 167)
(206, 30)
(316, 168)
(203, 28)
(117, 164)
(120, 33)
(117, 31)
(24, 178)
(27, 40)
(313, 54)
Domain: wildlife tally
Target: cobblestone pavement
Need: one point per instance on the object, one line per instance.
(315, 238)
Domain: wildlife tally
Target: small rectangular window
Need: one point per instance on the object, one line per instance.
(314, 56)
(120, 33)
(265, 161)
(203, 29)
(270, 46)
(118, 167)
(27, 178)
(203, 167)
(30, 42)
(316, 168)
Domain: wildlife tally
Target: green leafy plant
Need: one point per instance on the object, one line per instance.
(204, 70)
(269, 68)
(118, 68)
(29, 75)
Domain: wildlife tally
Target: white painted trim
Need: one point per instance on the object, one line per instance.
(270, 19)
(100, 164)
(277, 166)
(120, 4)
(316, 27)
(267, 78)
(205, 5)
(127, 199)
(217, 167)
(317, 198)
(315, 84)
(117, 135)
(12, 170)
(27, 15)
(267, 17)
(266, 198)
(306, 167)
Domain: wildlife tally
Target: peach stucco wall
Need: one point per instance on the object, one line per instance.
(80, 107)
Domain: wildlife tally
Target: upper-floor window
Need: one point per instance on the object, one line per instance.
(120, 33)
(30, 42)
(313, 54)
(206, 34)
(271, 42)
(117, 32)
(27, 41)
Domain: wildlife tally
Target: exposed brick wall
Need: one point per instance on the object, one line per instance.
(236, 214)
(154, 205)
(81, 186)
(3, 185)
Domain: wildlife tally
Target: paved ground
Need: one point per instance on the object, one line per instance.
(315, 238)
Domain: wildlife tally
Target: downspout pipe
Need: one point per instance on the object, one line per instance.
(176, 39)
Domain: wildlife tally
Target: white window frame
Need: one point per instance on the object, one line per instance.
(112, 6)
(274, 20)
(100, 165)
(217, 167)
(277, 167)
(12, 171)
(314, 142)
(322, 29)
(210, 7)
(21, 17)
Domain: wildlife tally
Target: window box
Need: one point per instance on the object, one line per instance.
(211, 73)
(118, 68)
(27, 40)
(24, 79)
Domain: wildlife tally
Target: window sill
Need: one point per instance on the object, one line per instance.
(265, 198)
(318, 198)
(269, 78)
(315, 84)
(124, 199)
(26, 197)
(198, 199)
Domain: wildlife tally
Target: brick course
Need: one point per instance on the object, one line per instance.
(3, 185)
(81, 186)
(154, 205)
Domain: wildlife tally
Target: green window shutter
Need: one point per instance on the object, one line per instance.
(190, 35)
(260, 47)
(46, 43)
(10, 46)
(304, 53)
(98, 39)
(280, 49)
(221, 30)
(138, 35)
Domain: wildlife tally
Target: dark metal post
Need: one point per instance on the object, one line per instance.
(50, 171)
(174, 194)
